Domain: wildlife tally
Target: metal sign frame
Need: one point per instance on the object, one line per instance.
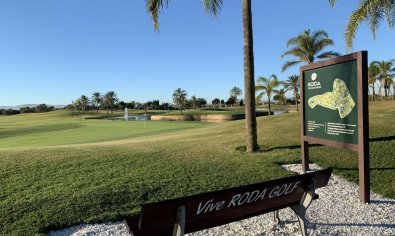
(362, 147)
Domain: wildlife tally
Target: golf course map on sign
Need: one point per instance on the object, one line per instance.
(330, 95)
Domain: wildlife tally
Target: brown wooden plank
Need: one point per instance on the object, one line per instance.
(224, 206)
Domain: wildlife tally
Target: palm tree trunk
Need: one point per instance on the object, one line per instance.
(249, 83)
(380, 92)
(296, 100)
(268, 99)
(393, 89)
(373, 91)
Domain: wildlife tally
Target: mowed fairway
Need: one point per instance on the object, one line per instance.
(58, 128)
(57, 171)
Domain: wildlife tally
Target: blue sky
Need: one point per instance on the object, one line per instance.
(54, 51)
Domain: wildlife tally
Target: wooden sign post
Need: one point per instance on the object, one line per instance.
(334, 101)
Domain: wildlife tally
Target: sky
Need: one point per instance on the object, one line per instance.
(54, 51)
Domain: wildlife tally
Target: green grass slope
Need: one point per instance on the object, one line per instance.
(107, 170)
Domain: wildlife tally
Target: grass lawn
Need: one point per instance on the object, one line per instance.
(57, 171)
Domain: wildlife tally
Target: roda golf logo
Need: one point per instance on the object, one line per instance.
(314, 84)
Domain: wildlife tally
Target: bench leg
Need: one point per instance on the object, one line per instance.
(300, 210)
(276, 218)
(179, 226)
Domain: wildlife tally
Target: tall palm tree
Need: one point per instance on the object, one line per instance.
(386, 73)
(372, 11)
(307, 47)
(267, 86)
(96, 99)
(111, 99)
(154, 7)
(179, 98)
(373, 72)
(292, 83)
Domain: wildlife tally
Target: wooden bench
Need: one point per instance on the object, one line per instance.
(193, 213)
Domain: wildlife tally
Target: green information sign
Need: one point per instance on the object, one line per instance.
(334, 101)
(331, 102)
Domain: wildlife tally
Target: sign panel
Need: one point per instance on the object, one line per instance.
(334, 101)
(331, 102)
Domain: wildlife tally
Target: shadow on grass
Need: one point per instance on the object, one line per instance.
(263, 149)
(378, 139)
(38, 129)
(356, 169)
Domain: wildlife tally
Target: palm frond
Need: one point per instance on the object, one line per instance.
(212, 6)
(289, 64)
(332, 2)
(154, 8)
(328, 54)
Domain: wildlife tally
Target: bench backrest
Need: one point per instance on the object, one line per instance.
(224, 206)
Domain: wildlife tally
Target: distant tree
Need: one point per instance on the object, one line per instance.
(201, 102)
(307, 47)
(121, 105)
(84, 102)
(235, 92)
(165, 106)
(373, 72)
(179, 98)
(193, 102)
(231, 101)
(372, 11)
(106, 103)
(280, 96)
(155, 104)
(131, 105)
(386, 73)
(267, 86)
(222, 102)
(8, 112)
(78, 104)
(292, 83)
(96, 100)
(216, 102)
(42, 108)
(26, 110)
(111, 97)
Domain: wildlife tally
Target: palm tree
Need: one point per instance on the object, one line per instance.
(96, 99)
(279, 95)
(308, 47)
(106, 102)
(216, 103)
(154, 7)
(267, 86)
(372, 11)
(292, 83)
(84, 102)
(78, 104)
(111, 97)
(179, 97)
(385, 74)
(373, 72)
(234, 93)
